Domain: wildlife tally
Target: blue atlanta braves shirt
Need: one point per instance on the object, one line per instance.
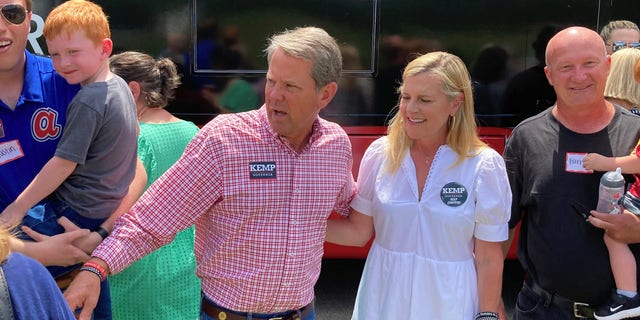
(30, 133)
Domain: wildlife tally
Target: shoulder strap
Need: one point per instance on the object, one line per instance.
(6, 308)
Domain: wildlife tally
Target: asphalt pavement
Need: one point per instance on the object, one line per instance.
(338, 284)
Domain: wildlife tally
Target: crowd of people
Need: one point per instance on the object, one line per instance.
(137, 214)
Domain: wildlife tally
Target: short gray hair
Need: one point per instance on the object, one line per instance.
(312, 44)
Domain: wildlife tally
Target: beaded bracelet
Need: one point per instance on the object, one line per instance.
(487, 315)
(92, 270)
(95, 268)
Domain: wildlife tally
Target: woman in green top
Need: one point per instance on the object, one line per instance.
(162, 285)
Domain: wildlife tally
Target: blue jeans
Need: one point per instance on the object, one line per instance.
(257, 316)
(43, 218)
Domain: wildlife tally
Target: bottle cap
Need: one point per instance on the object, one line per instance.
(613, 179)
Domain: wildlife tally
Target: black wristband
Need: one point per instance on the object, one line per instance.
(102, 232)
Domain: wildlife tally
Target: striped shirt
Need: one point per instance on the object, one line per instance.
(260, 210)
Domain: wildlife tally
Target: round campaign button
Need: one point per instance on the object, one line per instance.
(453, 194)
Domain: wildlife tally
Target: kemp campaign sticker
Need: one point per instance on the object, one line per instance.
(262, 170)
(453, 194)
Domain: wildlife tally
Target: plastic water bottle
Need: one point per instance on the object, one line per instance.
(610, 192)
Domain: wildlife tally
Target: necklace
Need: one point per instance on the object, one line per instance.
(424, 157)
(142, 111)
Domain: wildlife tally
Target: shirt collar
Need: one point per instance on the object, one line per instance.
(316, 131)
(32, 84)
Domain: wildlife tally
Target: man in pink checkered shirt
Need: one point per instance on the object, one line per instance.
(259, 187)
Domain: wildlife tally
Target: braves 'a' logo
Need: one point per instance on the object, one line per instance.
(44, 124)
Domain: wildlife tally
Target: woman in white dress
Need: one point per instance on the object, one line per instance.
(438, 199)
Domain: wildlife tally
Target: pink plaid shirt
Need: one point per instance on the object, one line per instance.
(260, 210)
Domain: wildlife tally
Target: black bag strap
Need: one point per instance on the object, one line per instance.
(6, 308)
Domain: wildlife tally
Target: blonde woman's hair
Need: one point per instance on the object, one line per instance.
(462, 137)
(621, 83)
(636, 71)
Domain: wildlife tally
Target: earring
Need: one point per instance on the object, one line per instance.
(452, 121)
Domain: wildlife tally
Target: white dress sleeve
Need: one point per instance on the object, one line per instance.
(370, 166)
(493, 198)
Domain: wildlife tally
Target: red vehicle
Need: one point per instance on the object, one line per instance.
(218, 45)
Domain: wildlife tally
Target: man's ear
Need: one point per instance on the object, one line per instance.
(327, 93)
(547, 73)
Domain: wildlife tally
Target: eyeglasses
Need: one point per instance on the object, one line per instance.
(621, 45)
(14, 13)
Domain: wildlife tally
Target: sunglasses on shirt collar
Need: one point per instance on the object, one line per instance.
(14, 13)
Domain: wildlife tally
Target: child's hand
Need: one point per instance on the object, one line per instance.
(62, 249)
(11, 217)
(86, 243)
(594, 161)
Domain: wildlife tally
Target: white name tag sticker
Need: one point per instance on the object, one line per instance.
(574, 162)
(10, 151)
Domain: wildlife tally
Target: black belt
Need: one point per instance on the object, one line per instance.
(579, 309)
(217, 312)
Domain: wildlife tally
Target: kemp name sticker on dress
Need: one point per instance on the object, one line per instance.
(454, 194)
